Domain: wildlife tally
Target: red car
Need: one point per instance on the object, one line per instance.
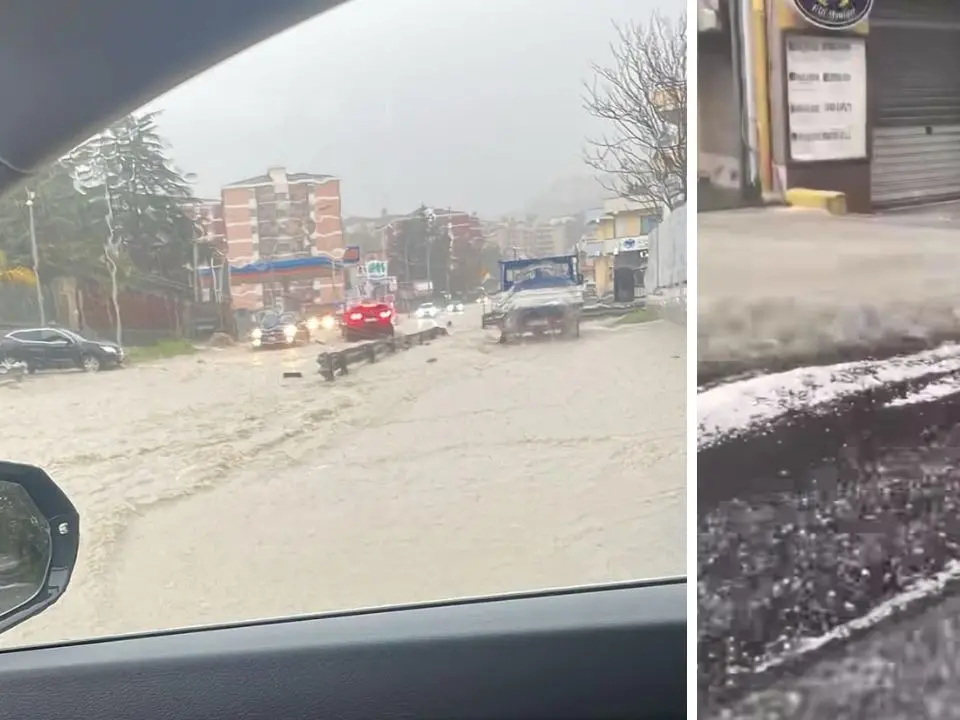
(366, 321)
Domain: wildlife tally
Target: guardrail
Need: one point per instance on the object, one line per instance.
(587, 312)
(337, 362)
(610, 310)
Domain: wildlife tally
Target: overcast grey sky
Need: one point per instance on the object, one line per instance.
(474, 104)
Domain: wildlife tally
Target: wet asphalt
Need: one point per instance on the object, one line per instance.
(814, 523)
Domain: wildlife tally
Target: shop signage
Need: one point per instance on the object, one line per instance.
(834, 14)
(826, 98)
(630, 244)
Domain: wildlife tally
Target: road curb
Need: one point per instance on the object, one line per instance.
(770, 460)
(832, 201)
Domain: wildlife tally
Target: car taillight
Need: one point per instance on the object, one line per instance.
(385, 313)
(356, 316)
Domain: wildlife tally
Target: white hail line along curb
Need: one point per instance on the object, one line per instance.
(728, 411)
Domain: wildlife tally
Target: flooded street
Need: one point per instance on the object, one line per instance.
(213, 490)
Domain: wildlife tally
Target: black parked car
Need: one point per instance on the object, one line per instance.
(58, 348)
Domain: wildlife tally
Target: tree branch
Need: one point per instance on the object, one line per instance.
(642, 96)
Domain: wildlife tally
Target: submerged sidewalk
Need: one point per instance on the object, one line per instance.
(780, 286)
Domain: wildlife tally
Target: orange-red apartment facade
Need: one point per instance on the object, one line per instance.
(278, 216)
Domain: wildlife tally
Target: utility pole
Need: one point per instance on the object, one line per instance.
(36, 256)
(196, 270)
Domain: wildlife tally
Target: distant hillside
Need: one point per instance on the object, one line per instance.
(567, 196)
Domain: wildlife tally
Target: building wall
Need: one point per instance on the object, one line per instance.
(850, 177)
(603, 274)
(239, 207)
(327, 214)
(718, 132)
(280, 216)
(628, 223)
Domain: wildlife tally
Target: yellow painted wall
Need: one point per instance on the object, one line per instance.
(602, 273)
(626, 224)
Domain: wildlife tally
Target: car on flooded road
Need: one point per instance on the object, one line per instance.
(275, 329)
(367, 321)
(53, 348)
(322, 316)
(427, 311)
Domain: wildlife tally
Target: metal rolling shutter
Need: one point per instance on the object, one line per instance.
(914, 67)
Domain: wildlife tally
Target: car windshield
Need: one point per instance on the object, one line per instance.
(384, 158)
(270, 319)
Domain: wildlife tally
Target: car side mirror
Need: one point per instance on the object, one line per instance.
(38, 544)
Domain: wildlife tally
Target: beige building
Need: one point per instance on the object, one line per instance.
(532, 237)
(620, 239)
(279, 216)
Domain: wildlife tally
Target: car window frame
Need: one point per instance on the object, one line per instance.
(55, 335)
(18, 335)
(71, 335)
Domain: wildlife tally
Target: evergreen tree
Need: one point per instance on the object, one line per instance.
(128, 168)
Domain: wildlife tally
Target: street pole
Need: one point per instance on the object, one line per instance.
(196, 270)
(36, 256)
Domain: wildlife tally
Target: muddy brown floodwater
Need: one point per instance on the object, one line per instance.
(211, 490)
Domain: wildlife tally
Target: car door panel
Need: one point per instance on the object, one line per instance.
(59, 350)
(615, 652)
(15, 349)
(29, 348)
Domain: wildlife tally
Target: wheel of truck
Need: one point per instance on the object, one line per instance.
(91, 363)
(390, 331)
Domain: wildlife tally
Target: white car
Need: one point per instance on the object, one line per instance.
(427, 311)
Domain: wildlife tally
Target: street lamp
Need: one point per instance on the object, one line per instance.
(36, 255)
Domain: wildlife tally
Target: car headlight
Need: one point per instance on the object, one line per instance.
(313, 323)
(328, 322)
(290, 331)
(256, 334)
(108, 349)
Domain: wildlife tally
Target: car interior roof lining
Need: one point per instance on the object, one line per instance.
(68, 69)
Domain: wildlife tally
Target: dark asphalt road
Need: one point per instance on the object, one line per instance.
(812, 524)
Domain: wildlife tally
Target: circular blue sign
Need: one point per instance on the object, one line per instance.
(834, 14)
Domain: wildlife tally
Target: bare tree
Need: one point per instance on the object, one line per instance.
(642, 96)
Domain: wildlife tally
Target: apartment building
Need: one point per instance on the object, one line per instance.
(210, 246)
(208, 215)
(281, 216)
(533, 237)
